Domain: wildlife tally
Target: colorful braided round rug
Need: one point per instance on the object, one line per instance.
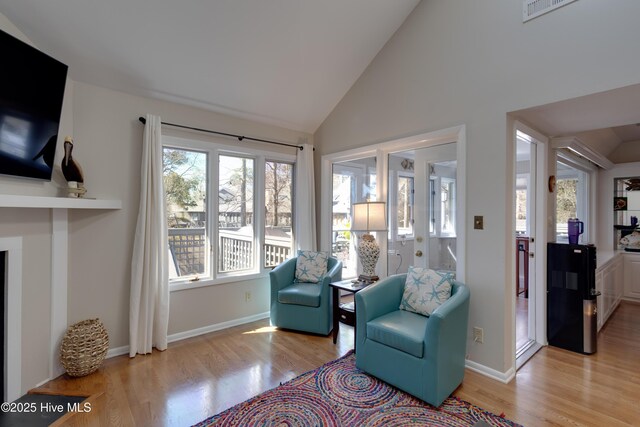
(339, 394)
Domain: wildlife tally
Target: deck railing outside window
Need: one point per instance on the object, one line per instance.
(188, 251)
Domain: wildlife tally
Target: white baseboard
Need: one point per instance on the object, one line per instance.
(503, 377)
(217, 327)
(118, 351)
(40, 384)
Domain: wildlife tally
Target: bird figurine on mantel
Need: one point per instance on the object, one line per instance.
(72, 171)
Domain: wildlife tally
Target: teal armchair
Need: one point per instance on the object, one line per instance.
(303, 307)
(423, 356)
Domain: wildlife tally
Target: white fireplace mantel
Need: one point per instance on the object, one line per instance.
(17, 201)
(59, 258)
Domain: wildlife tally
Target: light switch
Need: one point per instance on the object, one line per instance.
(478, 222)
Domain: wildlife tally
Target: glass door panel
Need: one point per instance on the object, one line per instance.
(422, 209)
(353, 181)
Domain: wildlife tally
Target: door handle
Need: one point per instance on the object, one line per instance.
(418, 252)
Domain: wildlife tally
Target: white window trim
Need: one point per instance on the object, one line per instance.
(214, 148)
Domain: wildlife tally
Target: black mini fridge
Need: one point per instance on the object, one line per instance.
(572, 321)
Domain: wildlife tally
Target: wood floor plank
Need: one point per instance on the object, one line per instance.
(201, 376)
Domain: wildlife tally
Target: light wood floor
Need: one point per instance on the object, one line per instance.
(199, 377)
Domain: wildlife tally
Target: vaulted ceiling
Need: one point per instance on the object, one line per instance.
(284, 62)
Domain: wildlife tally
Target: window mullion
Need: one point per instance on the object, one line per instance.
(213, 203)
(259, 214)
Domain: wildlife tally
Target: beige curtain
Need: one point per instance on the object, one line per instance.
(305, 200)
(149, 306)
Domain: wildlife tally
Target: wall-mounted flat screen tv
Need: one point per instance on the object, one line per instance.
(31, 94)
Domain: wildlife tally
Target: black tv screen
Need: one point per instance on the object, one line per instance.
(31, 93)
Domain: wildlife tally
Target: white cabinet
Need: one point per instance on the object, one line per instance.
(632, 276)
(609, 282)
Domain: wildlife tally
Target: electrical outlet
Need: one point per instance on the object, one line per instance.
(247, 296)
(478, 335)
(478, 222)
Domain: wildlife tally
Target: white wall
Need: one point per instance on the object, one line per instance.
(464, 62)
(108, 144)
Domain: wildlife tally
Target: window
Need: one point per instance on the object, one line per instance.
(236, 229)
(353, 181)
(448, 206)
(442, 200)
(245, 230)
(405, 206)
(279, 209)
(185, 183)
(521, 206)
(432, 203)
(572, 197)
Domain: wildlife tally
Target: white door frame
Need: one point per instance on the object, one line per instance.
(381, 151)
(539, 247)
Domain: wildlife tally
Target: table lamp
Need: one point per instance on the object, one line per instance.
(368, 216)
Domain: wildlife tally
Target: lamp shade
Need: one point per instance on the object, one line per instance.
(369, 216)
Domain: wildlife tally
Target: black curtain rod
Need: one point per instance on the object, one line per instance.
(239, 137)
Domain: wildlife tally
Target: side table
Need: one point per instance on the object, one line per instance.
(345, 313)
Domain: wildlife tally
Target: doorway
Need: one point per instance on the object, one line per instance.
(530, 206)
(455, 139)
(422, 200)
(353, 181)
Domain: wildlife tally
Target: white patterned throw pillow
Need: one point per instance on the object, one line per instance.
(425, 290)
(311, 266)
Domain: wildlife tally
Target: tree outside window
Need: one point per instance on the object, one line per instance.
(278, 212)
(185, 184)
(235, 214)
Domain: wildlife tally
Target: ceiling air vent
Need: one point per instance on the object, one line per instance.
(534, 8)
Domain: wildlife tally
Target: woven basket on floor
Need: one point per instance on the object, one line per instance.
(84, 347)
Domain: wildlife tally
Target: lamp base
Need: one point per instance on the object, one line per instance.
(368, 253)
(367, 279)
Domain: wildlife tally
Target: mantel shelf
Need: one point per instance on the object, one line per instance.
(16, 201)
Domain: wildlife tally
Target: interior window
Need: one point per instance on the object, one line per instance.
(404, 194)
(442, 198)
(522, 185)
(353, 181)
